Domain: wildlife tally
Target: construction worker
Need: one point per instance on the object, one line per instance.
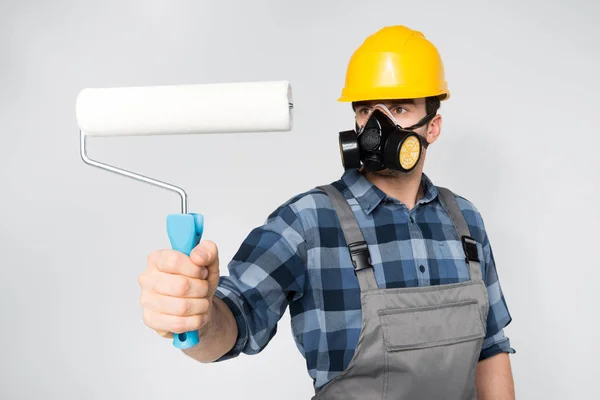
(390, 280)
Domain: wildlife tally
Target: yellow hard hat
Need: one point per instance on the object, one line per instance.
(395, 63)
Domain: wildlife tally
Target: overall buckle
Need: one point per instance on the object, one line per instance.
(470, 248)
(359, 252)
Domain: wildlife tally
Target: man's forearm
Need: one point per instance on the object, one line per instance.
(217, 336)
(494, 379)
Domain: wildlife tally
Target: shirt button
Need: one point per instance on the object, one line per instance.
(422, 268)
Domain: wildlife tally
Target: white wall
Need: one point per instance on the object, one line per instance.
(519, 140)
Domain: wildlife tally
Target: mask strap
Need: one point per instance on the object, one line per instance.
(423, 141)
(425, 120)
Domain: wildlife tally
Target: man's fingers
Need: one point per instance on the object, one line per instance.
(176, 289)
(165, 334)
(174, 285)
(170, 323)
(175, 262)
(182, 307)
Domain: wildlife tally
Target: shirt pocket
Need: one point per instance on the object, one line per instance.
(448, 257)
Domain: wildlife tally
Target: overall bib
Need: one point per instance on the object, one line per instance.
(420, 343)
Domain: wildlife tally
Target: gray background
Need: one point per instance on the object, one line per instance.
(519, 139)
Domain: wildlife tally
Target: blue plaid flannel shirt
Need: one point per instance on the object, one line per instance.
(299, 259)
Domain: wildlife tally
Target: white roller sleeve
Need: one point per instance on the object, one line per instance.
(186, 109)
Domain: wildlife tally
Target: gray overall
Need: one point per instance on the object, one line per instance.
(415, 343)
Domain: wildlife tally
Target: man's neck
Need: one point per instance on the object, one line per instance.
(405, 188)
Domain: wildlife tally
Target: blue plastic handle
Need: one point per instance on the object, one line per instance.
(185, 231)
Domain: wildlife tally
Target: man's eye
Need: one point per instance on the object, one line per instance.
(363, 111)
(398, 110)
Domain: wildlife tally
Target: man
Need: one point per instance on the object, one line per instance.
(390, 280)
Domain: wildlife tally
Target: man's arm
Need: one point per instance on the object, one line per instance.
(494, 380)
(265, 274)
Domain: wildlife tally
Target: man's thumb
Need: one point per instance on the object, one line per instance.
(206, 254)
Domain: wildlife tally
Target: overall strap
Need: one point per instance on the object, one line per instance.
(460, 224)
(359, 251)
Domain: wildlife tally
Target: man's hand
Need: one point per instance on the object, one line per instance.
(177, 290)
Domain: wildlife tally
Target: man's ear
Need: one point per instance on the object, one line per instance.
(434, 128)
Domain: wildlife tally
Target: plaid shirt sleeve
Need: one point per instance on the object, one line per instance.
(498, 315)
(265, 274)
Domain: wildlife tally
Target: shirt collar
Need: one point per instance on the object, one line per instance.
(370, 196)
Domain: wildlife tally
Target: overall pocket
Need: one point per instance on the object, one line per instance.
(431, 352)
(430, 326)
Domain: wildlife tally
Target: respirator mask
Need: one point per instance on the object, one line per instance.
(383, 144)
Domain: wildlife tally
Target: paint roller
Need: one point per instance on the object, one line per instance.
(177, 110)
